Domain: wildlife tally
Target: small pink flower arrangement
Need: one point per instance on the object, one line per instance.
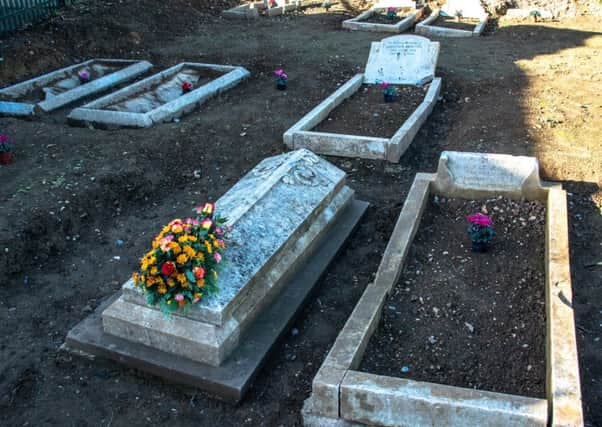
(481, 231)
(391, 13)
(389, 91)
(281, 79)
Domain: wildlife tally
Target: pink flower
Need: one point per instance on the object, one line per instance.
(385, 85)
(391, 9)
(217, 257)
(206, 223)
(164, 242)
(179, 297)
(220, 242)
(219, 231)
(4, 138)
(196, 300)
(480, 220)
(280, 73)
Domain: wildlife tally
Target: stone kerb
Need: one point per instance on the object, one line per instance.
(96, 112)
(129, 70)
(345, 397)
(426, 28)
(358, 24)
(417, 56)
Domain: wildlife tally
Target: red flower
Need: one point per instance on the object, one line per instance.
(168, 268)
(186, 86)
(199, 272)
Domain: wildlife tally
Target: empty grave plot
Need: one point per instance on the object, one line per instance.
(161, 97)
(379, 16)
(468, 24)
(268, 8)
(465, 319)
(61, 87)
(377, 19)
(459, 24)
(366, 113)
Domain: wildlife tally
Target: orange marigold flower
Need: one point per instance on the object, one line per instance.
(162, 289)
(208, 246)
(155, 244)
(200, 256)
(182, 303)
(175, 248)
(154, 270)
(182, 259)
(200, 283)
(171, 282)
(192, 238)
(188, 250)
(181, 278)
(183, 239)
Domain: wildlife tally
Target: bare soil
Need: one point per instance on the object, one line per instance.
(382, 18)
(72, 193)
(466, 319)
(462, 24)
(365, 113)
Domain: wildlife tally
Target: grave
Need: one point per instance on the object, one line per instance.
(61, 87)
(343, 395)
(256, 9)
(398, 60)
(291, 214)
(457, 18)
(160, 97)
(409, 16)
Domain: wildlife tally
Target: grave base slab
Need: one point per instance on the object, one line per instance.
(230, 380)
(426, 28)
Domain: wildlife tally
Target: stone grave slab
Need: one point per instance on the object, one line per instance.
(466, 8)
(219, 344)
(160, 98)
(61, 87)
(256, 9)
(429, 28)
(359, 22)
(344, 396)
(401, 59)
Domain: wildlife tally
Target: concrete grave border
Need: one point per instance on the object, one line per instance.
(251, 10)
(16, 108)
(356, 24)
(391, 149)
(342, 396)
(426, 29)
(93, 112)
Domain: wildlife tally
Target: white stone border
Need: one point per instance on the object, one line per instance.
(332, 144)
(342, 396)
(94, 113)
(426, 29)
(356, 24)
(251, 10)
(16, 108)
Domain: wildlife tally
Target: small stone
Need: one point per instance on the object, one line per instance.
(405, 369)
(470, 327)
(294, 332)
(532, 218)
(87, 309)
(432, 339)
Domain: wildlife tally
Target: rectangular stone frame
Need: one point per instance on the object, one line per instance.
(345, 397)
(356, 24)
(426, 29)
(15, 108)
(93, 112)
(251, 10)
(333, 144)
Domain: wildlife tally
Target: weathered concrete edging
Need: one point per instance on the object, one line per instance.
(301, 136)
(357, 24)
(252, 10)
(93, 112)
(344, 397)
(426, 29)
(16, 108)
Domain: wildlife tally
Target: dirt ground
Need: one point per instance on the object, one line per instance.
(462, 318)
(73, 192)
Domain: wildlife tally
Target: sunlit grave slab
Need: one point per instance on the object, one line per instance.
(375, 19)
(256, 9)
(290, 215)
(64, 86)
(398, 60)
(457, 18)
(345, 396)
(160, 97)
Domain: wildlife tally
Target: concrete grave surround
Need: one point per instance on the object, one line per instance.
(255, 9)
(62, 87)
(413, 60)
(121, 108)
(290, 215)
(426, 28)
(467, 8)
(343, 396)
(358, 23)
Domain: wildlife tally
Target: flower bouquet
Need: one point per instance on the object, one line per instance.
(391, 13)
(389, 91)
(84, 76)
(6, 149)
(327, 5)
(186, 87)
(281, 79)
(184, 261)
(481, 231)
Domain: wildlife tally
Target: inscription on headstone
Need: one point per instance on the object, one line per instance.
(488, 171)
(402, 60)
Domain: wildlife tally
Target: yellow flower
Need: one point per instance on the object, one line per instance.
(165, 229)
(160, 281)
(150, 281)
(198, 295)
(215, 274)
(183, 239)
(181, 278)
(136, 278)
(171, 282)
(162, 289)
(175, 248)
(215, 244)
(192, 238)
(155, 244)
(143, 264)
(208, 246)
(185, 285)
(182, 259)
(200, 283)
(176, 228)
(200, 256)
(189, 251)
(154, 270)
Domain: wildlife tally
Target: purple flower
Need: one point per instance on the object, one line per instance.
(84, 75)
(480, 220)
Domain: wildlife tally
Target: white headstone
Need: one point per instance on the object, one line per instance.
(466, 8)
(487, 172)
(400, 4)
(402, 59)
